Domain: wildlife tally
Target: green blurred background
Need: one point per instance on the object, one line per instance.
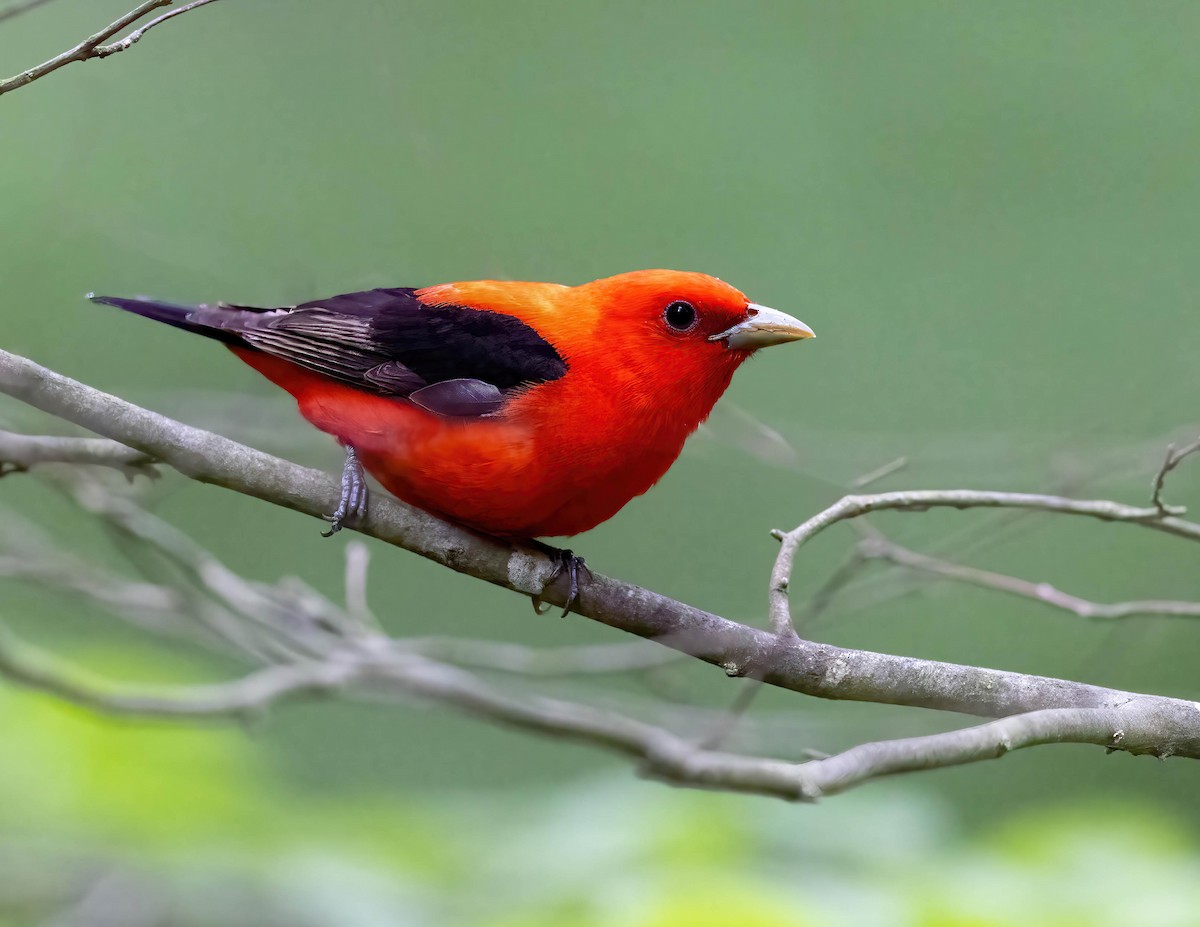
(989, 214)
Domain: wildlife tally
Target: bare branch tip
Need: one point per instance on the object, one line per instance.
(93, 46)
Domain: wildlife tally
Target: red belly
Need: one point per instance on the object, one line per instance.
(510, 477)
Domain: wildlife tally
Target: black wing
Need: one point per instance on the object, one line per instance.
(453, 360)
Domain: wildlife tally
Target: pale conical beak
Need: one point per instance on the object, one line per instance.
(763, 327)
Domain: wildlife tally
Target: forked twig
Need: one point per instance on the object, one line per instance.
(93, 46)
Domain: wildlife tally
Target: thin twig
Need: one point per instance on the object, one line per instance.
(20, 452)
(1165, 520)
(93, 46)
(879, 547)
(270, 623)
(358, 608)
(886, 586)
(28, 555)
(1175, 456)
(727, 722)
(67, 575)
(824, 596)
(879, 473)
(500, 656)
(245, 697)
(105, 50)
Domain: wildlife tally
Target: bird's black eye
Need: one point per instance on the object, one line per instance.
(680, 315)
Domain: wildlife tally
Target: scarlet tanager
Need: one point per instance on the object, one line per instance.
(522, 410)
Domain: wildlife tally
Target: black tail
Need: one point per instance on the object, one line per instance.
(199, 319)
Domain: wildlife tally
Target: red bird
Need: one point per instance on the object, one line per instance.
(522, 410)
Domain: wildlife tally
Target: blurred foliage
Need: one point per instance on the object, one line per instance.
(131, 825)
(988, 212)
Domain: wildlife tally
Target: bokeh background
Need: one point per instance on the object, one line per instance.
(988, 212)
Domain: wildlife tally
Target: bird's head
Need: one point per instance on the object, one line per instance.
(689, 327)
(673, 310)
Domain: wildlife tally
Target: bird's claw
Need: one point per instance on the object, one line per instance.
(352, 506)
(566, 562)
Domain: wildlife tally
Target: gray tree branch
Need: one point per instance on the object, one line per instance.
(1035, 709)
